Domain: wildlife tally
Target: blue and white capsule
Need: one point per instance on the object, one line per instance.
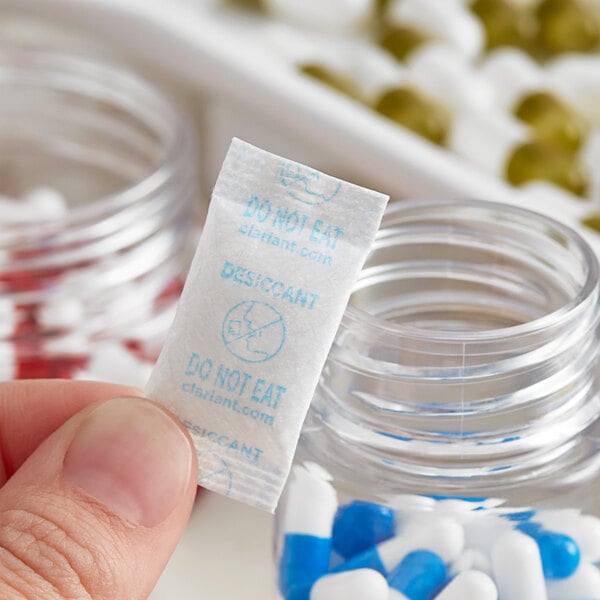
(361, 525)
(310, 505)
(560, 554)
(420, 576)
(583, 529)
(440, 535)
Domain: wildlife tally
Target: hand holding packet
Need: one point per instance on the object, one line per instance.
(281, 248)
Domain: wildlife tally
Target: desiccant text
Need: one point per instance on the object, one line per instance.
(225, 441)
(269, 285)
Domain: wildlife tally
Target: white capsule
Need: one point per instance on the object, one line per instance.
(308, 506)
(517, 567)
(150, 333)
(368, 66)
(15, 211)
(441, 535)
(583, 529)
(8, 210)
(461, 510)
(299, 46)
(447, 21)
(374, 70)
(74, 343)
(473, 504)
(39, 204)
(590, 156)
(61, 312)
(111, 361)
(9, 317)
(409, 502)
(482, 532)
(443, 73)
(317, 470)
(486, 138)
(577, 76)
(584, 584)
(351, 585)
(8, 361)
(333, 15)
(139, 378)
(310, 503)
(469, 585)
(47, 202)
(557, 202)
(470, 560)
(512, 74)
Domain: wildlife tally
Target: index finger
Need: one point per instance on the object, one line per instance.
(31, 410)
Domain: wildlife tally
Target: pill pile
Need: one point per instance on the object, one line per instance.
(429, 548)
(512, 86)
(48, 327)
(38, 205)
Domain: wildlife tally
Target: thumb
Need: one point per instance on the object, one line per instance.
(97, 509)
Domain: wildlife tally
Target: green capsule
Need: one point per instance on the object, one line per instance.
(248, 4)
(402, 40)
(505, 24)
(552, 120)
(381, 6)
(416, 112)
(540, 160)
(334, 80)
(592, 221)
(567, 26)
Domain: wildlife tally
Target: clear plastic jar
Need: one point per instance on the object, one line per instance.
(108, 265)
(465, 369)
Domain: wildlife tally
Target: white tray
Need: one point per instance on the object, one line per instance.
(250, 92)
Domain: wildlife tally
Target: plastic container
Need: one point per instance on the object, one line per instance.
(105, 268)
(464, 375)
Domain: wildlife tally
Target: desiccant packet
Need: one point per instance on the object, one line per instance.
(280, 250)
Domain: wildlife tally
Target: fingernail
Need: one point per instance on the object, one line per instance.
(133, 458)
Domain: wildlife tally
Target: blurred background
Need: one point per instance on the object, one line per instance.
(115, 117)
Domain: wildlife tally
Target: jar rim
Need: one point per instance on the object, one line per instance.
(358, 316)
(116, 83)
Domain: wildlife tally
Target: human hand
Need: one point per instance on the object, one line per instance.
(94, 493)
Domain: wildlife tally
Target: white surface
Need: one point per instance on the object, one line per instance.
(225, 554)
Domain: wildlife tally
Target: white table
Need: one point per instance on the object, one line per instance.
(225, 554)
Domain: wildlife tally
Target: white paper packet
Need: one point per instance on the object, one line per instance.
(280, 250)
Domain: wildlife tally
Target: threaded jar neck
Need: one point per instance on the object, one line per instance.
(122, 156)
(467, 358)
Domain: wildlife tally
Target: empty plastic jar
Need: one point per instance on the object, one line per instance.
(104, 165)
(463, 382)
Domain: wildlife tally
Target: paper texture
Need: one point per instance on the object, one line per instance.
(280, 251)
